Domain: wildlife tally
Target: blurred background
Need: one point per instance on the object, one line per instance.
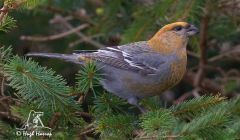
(62, 26)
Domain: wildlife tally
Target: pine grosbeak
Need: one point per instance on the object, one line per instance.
(140, 69)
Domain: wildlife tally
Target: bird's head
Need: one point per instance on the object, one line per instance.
(172, 37)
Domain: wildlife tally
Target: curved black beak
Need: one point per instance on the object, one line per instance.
(192, 30)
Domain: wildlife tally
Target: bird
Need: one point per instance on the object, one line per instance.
(142, 69)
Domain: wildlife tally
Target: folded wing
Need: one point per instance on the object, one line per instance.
(137, 57)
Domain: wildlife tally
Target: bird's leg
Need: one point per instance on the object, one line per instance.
(134, 101)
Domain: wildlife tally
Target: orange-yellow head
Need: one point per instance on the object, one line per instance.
(172, 38)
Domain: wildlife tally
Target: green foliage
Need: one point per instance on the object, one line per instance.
(106, 103)
(23, 111)
(191, 108)
(6, 131)
(152, 103)
(208, 124)
(111, 9)
(235, 128)
(213, 120)
(88, 77)
(136, 31)
(37, 85)
(234, 106)
(230, 86)
(159, 122)
(5, 54)
(28, 4)
(115, 126)
(31, 4)
(7, 24)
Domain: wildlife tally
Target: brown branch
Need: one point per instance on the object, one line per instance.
(81, 99)
(215, 68)
(4, 9)
(203, 49)
(8, 116)
(52, 123)
(186, 12)
(206, 83)
(11, 100)
(8, 6)
(77, 15)
(60, 19)
(186, 95)
(220, 56)
(72, 44)
(2, 85)
(195, 92)
(5, 106)
(5, 101)
(193, 54)
(3, 12)
(5, 114)
(170, 137)
(54, 37)
(84, 114)
(87, 131)
(183, 97)
(91, 125)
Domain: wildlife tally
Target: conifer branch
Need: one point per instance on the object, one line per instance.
(26, 76)
(188, 108)
(54, 37)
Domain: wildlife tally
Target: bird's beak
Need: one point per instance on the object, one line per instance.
(192, 30)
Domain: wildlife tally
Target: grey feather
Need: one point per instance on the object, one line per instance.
(136, 57)
(66, 57)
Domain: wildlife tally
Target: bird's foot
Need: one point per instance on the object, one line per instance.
(134, 101)
(142, 109)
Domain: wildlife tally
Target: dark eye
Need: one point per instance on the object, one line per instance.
(178, 28)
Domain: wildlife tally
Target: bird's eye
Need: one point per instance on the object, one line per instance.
(178, 28)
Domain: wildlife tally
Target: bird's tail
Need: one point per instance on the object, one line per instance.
(66, 57)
